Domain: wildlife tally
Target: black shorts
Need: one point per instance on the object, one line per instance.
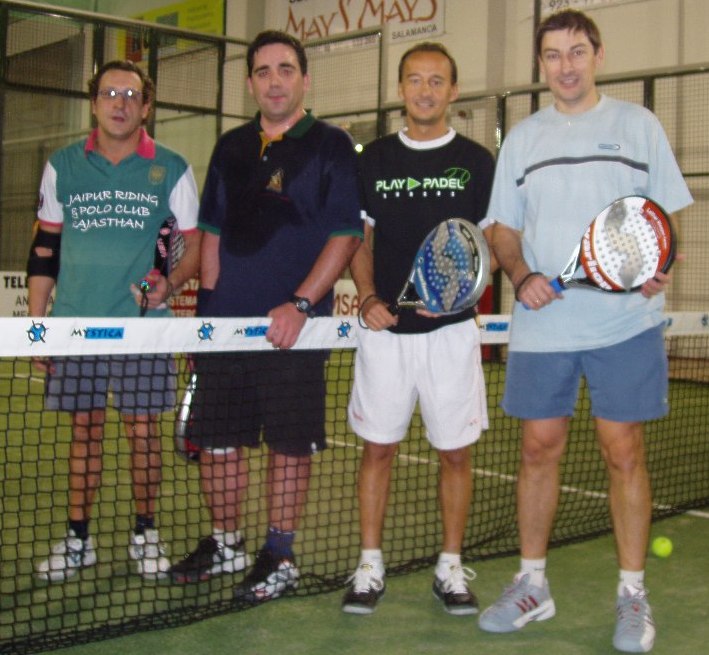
(240, 394)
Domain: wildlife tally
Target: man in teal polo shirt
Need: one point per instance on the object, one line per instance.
(103, 202)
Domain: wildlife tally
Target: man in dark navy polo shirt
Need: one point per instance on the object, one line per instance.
(280, 213)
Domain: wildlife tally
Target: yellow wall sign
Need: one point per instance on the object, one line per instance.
(198, 15)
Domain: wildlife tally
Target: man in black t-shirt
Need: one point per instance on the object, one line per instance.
(410, 182)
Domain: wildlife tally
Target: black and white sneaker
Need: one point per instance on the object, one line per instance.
(269, 579)
(366, 588)
(454, 592)
(211, 557)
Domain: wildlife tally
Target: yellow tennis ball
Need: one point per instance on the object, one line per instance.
(662, 546)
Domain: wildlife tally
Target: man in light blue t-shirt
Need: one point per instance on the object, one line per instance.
(103, 202)
(557, 169)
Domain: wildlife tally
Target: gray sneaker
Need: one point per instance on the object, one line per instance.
(519, 604)
(634, 629)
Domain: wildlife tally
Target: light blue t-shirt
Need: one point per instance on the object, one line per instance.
(555, 173)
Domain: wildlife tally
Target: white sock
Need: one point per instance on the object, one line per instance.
(445, 561)
(373, 556)
(536, 568)
(634, 578)
(226, 538)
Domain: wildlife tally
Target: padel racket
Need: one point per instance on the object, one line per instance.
(169, 248)
(450, 270)
(183, 446)
(623, 247)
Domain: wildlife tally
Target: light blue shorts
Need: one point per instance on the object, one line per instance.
(627, 382)
(141, 384)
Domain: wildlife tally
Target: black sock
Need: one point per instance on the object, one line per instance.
(80, 528)
(143, 522)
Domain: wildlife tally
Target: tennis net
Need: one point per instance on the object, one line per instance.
(109, 598)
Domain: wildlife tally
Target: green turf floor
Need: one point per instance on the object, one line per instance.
(410, 621)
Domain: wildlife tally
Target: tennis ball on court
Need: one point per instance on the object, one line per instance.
(662, 546)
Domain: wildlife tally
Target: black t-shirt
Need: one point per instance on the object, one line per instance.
(409, 190)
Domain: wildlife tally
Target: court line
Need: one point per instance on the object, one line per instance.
(416, 459)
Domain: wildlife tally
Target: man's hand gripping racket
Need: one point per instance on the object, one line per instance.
(154, 289)
(627, 244)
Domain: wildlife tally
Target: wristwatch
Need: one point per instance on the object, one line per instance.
(303, 305)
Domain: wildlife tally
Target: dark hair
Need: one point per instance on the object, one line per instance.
(568, 19)
(148, 90)
(269, 37)
(429, 46)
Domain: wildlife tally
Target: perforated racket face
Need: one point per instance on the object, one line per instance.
(627, 244)
(452, 267)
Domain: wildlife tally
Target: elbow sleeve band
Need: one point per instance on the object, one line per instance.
(47, 265)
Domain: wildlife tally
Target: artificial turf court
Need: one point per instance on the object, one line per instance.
(110, 600)
(409, 621)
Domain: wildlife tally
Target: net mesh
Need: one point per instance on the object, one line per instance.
(109, 598)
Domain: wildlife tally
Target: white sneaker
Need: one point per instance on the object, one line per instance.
(68, 556)
(149, 553)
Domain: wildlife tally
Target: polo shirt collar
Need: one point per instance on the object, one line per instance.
(145, 149)
(297, 131)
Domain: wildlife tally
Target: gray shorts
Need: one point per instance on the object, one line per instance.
(627, 382)
(140, 384)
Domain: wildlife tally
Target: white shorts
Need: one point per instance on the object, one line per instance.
(441, 369)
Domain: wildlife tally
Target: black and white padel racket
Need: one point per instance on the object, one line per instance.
(450, 270)
(624, 246)
(169, 249)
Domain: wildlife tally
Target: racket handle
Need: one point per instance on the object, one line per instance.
(557, 285)
(147, 283)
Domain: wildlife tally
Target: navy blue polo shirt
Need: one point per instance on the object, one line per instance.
(274, 205)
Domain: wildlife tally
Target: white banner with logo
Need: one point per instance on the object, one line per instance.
(48, 337)
(420, 20)
(42, 337)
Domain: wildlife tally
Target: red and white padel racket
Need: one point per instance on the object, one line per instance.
(623, 247)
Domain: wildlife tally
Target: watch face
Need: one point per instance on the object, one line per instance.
(302, 305)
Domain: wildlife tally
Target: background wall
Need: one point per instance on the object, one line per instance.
(492, 39)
